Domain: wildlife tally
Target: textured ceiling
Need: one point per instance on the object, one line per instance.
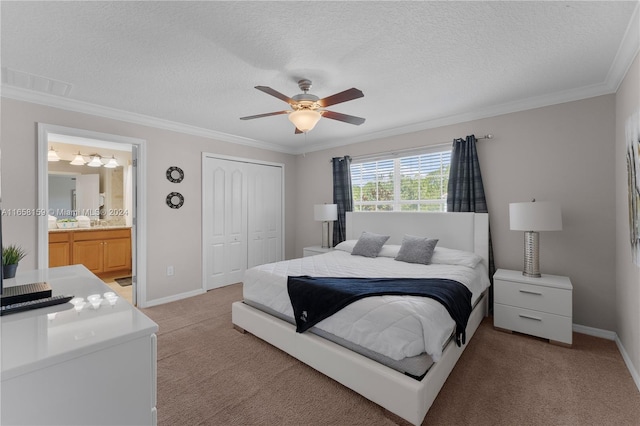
(420, 64)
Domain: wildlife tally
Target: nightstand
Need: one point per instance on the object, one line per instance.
(314, 250)
(540, 307)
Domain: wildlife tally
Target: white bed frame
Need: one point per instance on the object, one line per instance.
(401, 395)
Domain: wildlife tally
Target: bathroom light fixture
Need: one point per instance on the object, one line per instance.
(532, 217)
(78, 160)
(52, 155)
(112, 164)
(95, 161)
(304, 119)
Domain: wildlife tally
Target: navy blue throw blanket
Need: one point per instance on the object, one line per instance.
(316, 298)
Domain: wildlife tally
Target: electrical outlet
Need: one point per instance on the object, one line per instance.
(169, 271)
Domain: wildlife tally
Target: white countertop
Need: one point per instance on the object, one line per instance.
(93, 228)
(31, 340)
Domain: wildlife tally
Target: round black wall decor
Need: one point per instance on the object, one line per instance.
(175, 174)
(175, 200)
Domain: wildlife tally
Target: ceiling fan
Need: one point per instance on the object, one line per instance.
(307, 109)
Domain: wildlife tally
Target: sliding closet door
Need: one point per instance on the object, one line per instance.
(224, 222)
(264, 214)
(242, 218)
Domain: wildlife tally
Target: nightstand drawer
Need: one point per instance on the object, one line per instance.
(541, 324)
(538, 298)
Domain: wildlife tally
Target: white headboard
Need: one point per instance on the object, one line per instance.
(462, 231)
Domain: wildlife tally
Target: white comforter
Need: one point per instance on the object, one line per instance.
(395, 326)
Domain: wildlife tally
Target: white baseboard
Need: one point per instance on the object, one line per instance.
(611, 335)
(595, 332)
(627, 361)
(175, 297)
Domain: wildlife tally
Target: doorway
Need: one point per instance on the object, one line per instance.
(102, 227)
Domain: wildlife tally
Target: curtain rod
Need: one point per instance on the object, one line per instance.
(400, 151)
(487, 136)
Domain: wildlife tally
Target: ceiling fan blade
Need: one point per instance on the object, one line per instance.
(345, 96)
(251, 117)
(270, 91)
(351, 119)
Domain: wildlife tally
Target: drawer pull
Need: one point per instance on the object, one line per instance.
(530, 292)
(530, 317)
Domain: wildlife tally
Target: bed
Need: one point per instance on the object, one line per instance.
(393, 379)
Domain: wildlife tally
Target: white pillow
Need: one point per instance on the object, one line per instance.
(441, 255)
(346, 245)
(448, 256)
(388, 250)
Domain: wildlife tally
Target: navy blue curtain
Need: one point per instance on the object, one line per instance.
(342, 195)
(465, 192)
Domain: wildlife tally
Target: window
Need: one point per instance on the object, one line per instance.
(412, 183)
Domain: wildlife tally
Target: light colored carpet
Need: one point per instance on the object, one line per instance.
(210, 374)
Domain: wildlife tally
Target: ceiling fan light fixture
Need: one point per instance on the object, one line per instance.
(305, 119)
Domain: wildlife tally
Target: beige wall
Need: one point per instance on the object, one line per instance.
(174, 236)
(562, 153)
(627, 274)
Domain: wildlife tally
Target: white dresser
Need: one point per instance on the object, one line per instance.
(96, 366)
(537, 306)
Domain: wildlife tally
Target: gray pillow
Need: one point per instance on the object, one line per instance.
(416, 249)
(369, 244)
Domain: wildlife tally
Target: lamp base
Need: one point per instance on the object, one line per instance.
(531, 255)
(325, 234)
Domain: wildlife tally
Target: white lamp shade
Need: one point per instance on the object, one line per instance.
(78, 160)
(535, 216)
(304, 119)
(95, 162)
(112, 164)
(325, 212)
(52, 155)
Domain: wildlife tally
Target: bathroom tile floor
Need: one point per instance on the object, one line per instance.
(125, 292)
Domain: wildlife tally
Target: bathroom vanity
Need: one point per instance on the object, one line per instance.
(103, 250)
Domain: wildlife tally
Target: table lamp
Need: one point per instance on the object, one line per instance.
(325, 213)
(532, 217)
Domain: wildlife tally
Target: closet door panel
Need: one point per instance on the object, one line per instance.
(265, 214)
(213, 224)
(236, 229)
(273, 216)
(224, 222)
(255, 209)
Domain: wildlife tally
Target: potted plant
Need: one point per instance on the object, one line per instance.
(11, 255)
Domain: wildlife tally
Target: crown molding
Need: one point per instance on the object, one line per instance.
(628, 50)
(487, 112)
(39, 98)
(112, 113)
